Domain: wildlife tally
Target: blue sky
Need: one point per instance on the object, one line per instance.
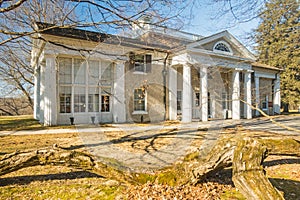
(205, 23)
(241, 31)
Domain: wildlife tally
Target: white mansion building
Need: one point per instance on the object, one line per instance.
(160, 74)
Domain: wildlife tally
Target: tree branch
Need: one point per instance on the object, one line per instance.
(12, 7)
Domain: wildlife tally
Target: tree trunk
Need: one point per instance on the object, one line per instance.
(59, 156)
(248, 172)
(246, 155)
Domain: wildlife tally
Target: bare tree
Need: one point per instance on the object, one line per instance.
(17, 27)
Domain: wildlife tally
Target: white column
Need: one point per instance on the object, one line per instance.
(42, 90)
(119, 106)
(257, 100)
(236, 94)
(204, 93)
(247, 87)
(186, 94)
(50, 100)
(172, 93)
(37, 55)
(37, 85)
(277, 100)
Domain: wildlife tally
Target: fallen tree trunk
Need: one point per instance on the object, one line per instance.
(248, 173)
(246, 155)
(59, 156)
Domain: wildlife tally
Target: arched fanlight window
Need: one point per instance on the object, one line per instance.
(222, 47)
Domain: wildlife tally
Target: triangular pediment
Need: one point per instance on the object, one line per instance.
(222, 43)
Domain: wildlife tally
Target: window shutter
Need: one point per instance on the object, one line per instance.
(131, 61)
(148, 63)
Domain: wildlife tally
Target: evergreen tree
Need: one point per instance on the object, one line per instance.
(278, 39)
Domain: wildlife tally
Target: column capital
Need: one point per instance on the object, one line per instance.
(249, 71)
(50, 56)
(238, 69)
(187, 64)
(204, 66)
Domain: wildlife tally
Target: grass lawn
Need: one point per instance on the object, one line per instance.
(24, 122)
(52, 182)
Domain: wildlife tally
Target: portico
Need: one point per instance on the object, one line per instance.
(212, 92)
(213, 86)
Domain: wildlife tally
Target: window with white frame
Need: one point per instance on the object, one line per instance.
(224, 100)
(106, 74)
(222, 47)
(265, 103)
(105, 103)
(105, 99)
(197, 99)
(79, 71)
(93, 99)
(179, 100)
(141, 62)
(65, 71)
(93, 72)
(139, 100)
(80, 87)
(79, 99)
(65, 99)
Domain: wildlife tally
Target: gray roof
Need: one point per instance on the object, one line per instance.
(150, 40)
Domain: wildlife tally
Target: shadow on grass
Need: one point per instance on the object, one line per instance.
(281, 162)
(23, 180)
(223, 177)
(20, 123)
(135, 137)
(289, 187)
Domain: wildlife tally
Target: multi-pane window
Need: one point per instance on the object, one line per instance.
(105, 99)
(65, 99)
(105, 103)
(265, 102)
(65, 70)
(93, 72)
(139, 100)
(179, 100)
(222, 47)
(82, 83)
(139, 65)
(140, 62)
(79, 71)
(197, 99)
(93, 99)
(224, 100)
(79, 99)
(106, 74)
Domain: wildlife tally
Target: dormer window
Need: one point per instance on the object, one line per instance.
(222, 47)
(140, 63)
